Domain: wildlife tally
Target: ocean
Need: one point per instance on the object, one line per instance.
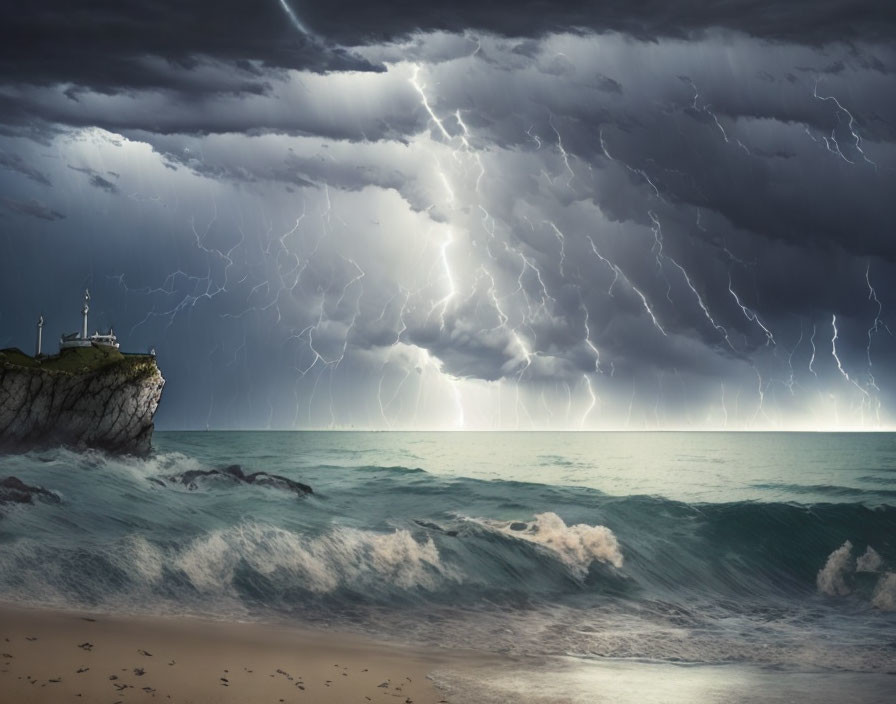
(615, 566)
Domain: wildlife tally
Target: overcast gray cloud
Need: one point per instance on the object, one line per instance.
(31, 208)
(632, 216)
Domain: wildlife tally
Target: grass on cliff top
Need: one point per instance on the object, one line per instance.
(76, 360)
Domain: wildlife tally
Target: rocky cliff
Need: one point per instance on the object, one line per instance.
(85, 397)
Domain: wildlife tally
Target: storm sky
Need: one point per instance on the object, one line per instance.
(619, 214)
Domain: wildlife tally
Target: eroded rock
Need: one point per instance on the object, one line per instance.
(14, 491)
(234, 474)
(110, 407)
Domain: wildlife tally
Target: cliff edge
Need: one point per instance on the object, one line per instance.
(84, 397)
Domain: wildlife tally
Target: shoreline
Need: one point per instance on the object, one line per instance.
(53, 655)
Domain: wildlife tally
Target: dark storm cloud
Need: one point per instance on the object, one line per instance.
(809, 21)
(30, 208)
(108, 45)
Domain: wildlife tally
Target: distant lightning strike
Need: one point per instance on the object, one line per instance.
(700, 302)
(877, 325)
(611, 265)
(488, 224)
(294, 19)
(850, 125)
(843, 373)
(657, 230)
(639, 172)
(563, 152)
(619, 274)
(593, 402)
(791, 378)
(706, 110)
(452, 287)
(760, 409)
(423, 99)
(657, 249)
(588, 341)
(834, 348)
(812, 358)
(561, 240)
(647, 307)
(752, 316)
(534, 137)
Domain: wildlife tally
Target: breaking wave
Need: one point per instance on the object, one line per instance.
(343, 557)
(577, 546)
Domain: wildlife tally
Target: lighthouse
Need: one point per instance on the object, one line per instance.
(82, 339)
(84, 312)
(40, 334)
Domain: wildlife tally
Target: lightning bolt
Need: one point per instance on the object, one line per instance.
(700, 302)
(877, 325)
(840, 368)
(294, 18)
(790, 379)
(619, 273)
(751, 315)
(850, 126)
(563, 152)
(705, 109)
(423, 99)
(593, 402)
(812, 358)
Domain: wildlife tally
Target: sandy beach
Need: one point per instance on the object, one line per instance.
(56, 656)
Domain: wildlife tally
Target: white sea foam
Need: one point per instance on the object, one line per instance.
(869, 562)
(884, 597)
(831, 579)
(340, 557)
(577, 546)
(145, 558)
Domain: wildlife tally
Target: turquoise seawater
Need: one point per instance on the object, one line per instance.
(764, 560)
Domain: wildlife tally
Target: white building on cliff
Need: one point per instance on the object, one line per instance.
(81, 339)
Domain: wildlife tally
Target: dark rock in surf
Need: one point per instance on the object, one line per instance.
(14, 491)
(235, 474)
(436, 527)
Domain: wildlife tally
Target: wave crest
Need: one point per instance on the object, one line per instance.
(884, 597)
(831, 578)
(577, 546)
(836, 577)
(343, 557)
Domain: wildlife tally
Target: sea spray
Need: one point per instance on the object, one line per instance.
(339, 558)
(884, 597)
(832, 578)
(577, 546)
(870, 561)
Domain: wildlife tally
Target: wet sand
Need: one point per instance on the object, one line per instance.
(56, 656)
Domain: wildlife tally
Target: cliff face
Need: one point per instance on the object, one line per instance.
(82, 398)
